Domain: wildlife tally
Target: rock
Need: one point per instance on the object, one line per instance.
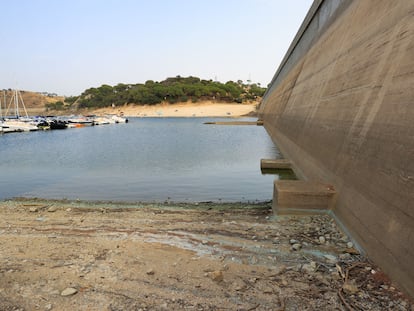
(239, 286)
(322, 240)
(216, 276)
(345, 256)
(150, 272)
(48, 307)
(293, 241)
(310, 267)
(330, 259)
(349, 244)
(296, 246)
(52, 209)
(68, 210)
(69, 291)
(33, 209)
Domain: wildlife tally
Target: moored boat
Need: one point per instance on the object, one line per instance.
(56, 124)
(103, 120)
(19, 126)
(119, 119)
(80, 121)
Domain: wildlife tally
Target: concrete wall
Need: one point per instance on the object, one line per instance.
(341, 107)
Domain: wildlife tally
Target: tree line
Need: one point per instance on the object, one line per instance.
(172, 90)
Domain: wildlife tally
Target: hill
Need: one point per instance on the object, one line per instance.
(34, 102)
(190, 90)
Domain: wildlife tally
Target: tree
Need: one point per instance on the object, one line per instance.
(173, 89)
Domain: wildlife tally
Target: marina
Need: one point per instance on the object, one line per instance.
(13, 121)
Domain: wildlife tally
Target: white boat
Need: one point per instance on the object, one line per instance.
(103, 120)
(18, 123)
(6, 129)
(119, 119)
(80, 121)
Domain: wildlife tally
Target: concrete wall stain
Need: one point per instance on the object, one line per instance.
(341, 108)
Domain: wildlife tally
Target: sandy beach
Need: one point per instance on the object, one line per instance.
(202, 109)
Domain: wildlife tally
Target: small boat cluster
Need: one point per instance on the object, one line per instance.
(29, 124)
(18, 123)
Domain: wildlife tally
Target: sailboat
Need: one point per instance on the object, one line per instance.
(3, 128)
(18, 122)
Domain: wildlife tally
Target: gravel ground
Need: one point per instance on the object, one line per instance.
(62, 255)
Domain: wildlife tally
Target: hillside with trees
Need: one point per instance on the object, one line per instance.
(171, 90)
(34, 102)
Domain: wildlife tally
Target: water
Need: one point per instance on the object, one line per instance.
(147, 159)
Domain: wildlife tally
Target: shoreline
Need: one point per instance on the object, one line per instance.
(73, 255)
(204, 109)
(199, 109)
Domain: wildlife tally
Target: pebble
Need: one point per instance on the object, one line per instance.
(150, 272)
(330, 259)
(293, 241)
(322, 240)
(238, 286)
(52, 209)
(310, 267)
(296, 246)
(33, 209)
(216, 276)
(349, 244)
(69, 291)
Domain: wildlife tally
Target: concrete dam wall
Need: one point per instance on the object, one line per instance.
(341, 108)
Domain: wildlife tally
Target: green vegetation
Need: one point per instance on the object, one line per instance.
(59, 105)
(172, 90)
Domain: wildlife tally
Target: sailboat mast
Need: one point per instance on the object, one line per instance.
(1, 115)
(23, 105)
(16, 104)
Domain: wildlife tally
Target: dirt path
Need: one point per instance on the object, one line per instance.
(80, 256)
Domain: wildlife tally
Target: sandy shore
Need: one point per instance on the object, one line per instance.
(62, 255)
(203, 109)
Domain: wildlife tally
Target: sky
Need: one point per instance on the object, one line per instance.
(68, 46)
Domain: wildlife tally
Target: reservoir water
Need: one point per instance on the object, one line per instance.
(146, 160)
